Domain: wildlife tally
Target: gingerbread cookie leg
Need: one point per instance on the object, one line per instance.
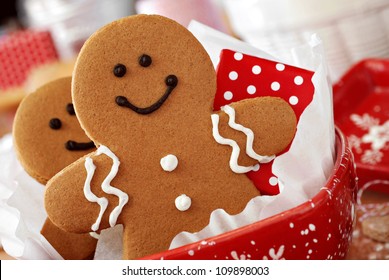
(71, 246)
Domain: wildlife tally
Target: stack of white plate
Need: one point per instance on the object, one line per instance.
(351, 30)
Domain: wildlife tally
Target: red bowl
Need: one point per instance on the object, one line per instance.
(320, 228)
(361, 101)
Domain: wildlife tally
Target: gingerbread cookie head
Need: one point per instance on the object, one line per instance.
(47, 134)
(138, 71)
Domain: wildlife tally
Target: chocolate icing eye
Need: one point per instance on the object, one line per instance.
(55, 123)
(70, 109)
(171, 81)
(119, 70)
(145, 60)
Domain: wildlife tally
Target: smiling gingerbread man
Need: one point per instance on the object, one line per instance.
(143, 91)
(48, 138)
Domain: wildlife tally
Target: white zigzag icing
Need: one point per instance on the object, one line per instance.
(235, 167)
(106, 187)
(249, 133)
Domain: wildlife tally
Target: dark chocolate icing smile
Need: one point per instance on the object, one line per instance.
(76, 146)
(171, 82)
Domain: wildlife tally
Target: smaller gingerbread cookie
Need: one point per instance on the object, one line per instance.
(48, 138)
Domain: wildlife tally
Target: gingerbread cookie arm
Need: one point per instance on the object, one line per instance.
(75, 200)
(260, 127)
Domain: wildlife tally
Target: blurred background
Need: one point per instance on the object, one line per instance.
(40, 39)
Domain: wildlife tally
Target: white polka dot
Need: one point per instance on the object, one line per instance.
(252, 242)
(251, 89)
(256, 69)
(256, 167)
(293, 100)
(298, 80)
(238, 56)
(291, 225)
(275, 86)
(228, 95)
(190, 252)
(312, 227)
(280, 67)
(273, 181)
(233, 75)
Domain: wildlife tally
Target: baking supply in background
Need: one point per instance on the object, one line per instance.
(350, 29)
(71, 22)
(183, 11)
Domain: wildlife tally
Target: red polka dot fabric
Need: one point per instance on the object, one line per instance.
(22, 51)
(241, 76)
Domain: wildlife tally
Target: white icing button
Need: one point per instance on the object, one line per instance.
(228, 95)
(298, 80)
(183, 202)
(169, 163)
(256, 69)
(275, 86)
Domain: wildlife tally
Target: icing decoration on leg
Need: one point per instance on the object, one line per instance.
(249, 133)
(90, 196)
(235, 167)
(107, 188)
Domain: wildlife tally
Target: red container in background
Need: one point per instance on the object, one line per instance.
(361, 108)
(20, 52)
(321, 228)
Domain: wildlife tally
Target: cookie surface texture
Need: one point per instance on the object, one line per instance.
(44, 124)
(143, 89)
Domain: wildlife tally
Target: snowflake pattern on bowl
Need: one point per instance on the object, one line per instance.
(372, 139)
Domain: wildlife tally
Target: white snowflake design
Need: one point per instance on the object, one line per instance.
(365, 121)
(372, 156)
(377, 135)
(355, 143)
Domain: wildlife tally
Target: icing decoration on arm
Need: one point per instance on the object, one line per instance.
(241, 76)
(169, 163)
(183, 202)
(235, 167)
(107, 188)
(90, 196)
(248, 132)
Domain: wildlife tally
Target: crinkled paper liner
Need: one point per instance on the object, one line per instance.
(22, 212)
(301, 171)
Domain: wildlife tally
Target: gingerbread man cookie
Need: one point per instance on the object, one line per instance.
(48, 138)
(143, 91)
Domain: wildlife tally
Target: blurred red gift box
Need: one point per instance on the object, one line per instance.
(20, 52)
